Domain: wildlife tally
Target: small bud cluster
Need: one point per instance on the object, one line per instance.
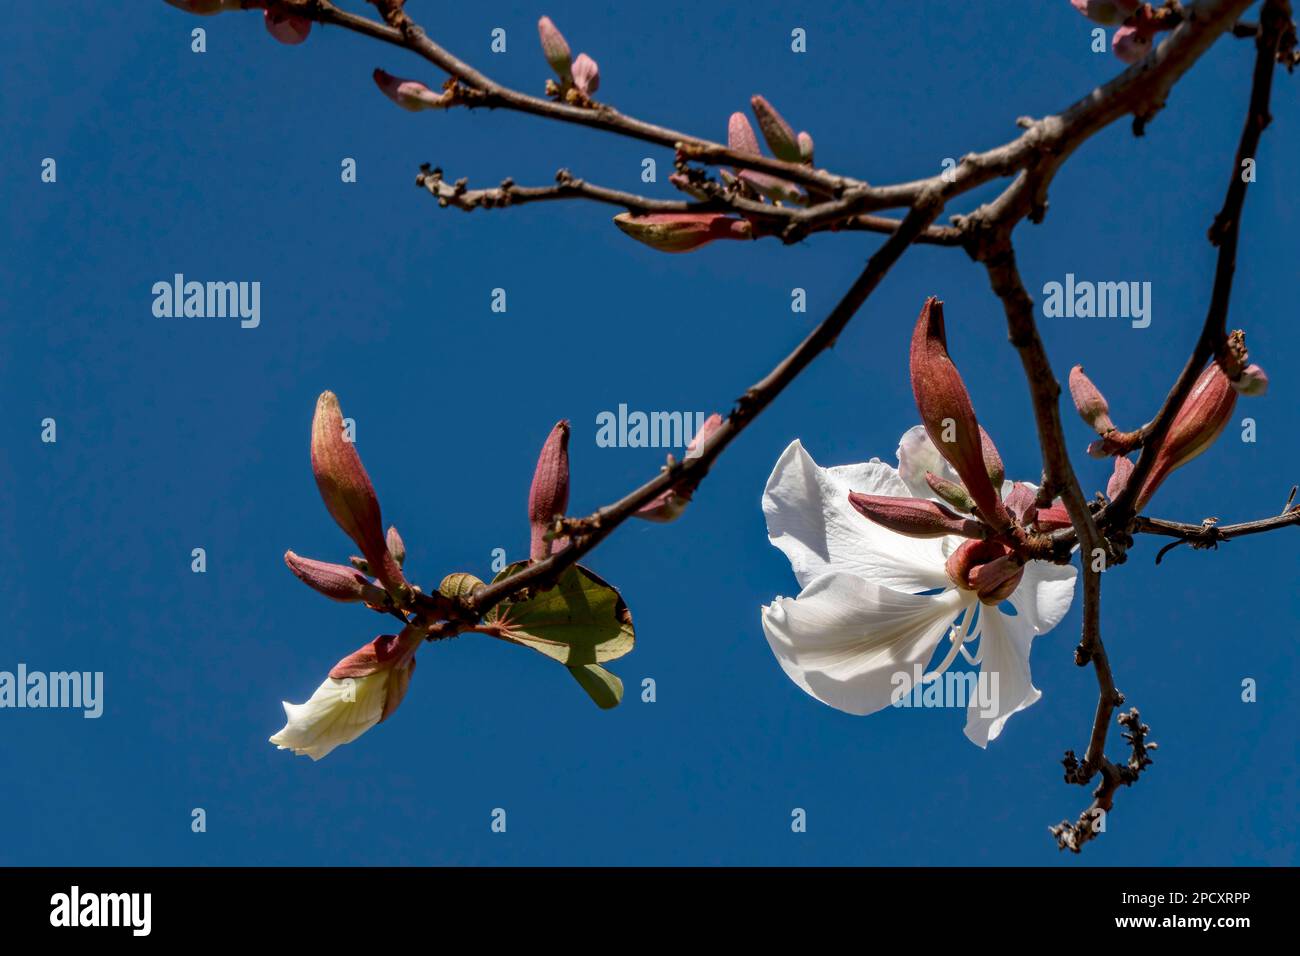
(579, 76)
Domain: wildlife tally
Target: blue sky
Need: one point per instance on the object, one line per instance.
(183, 433)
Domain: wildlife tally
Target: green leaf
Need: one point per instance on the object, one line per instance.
(582, 620)
(602, 686)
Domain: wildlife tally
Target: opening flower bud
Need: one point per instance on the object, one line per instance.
(1199, 421)
(779, 134)
(914, 517)
(947, 413)
(346, 490)
(549, 495)
(586, 74)
(1090, 403)
(555, 48)
(682, 232)
(409, 94)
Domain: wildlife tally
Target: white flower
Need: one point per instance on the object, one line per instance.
(876, 604)
(339, 712)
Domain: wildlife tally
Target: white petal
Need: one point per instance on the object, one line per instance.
(1044, 594)
(916, 456)
(338, 712)
(1004, 674)
(846, 641)
(809, 518)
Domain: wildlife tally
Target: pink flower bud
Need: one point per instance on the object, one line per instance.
(346, 490)
(1108, 13)
(740, 135)
(1198, 423)
(779, 134)
(950, 492)
(206, 8)
(396, 547)
(1252, 381)
(555, 48)
(914, 517)
(409, 94)
(336, 581)
(1053, 518)
(285, 26)
(549, 495)
(1090, 402)
(682, 231)
(1119, 476)
(806, 148)
(695, 447)
(1020, 502)
(586, 74)
(1131, 44)
(946, 410)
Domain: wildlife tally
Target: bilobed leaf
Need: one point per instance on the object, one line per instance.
(582, 620)
(602, 686)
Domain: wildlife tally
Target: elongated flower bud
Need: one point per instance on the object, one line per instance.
(682, 232)
(914, 517)
(1199, 421)
(555, 48)
(950, 492)
(1108, 13)
(346, 490)
(1119, 476)
(396, 546)
(993, 466)
(779, 134)
(549, 495)
(286, 27)
(410, 94)
(586, 74)
(740, 135)
(336, 581)
(946, 410)
(1090, 403)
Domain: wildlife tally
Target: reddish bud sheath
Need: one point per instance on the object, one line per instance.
(1198, 423)
(336, 581)
(914, 517)
(1090, 403)
(549, 495)
(586, 74)
(346, 490)
(682, 232)
(285, 26)
(946, 410)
